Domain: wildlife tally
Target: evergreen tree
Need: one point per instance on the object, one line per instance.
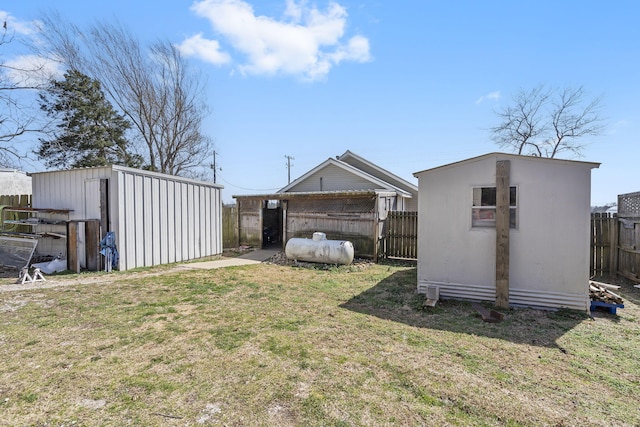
(89, 131)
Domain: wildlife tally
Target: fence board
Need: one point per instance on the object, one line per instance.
(230, 227)
(601, 243)
(401, 238)
(629, 248)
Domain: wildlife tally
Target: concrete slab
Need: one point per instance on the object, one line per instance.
(220, 263)
(259, 254)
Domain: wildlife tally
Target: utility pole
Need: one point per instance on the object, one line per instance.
(214, 167)
(289, 158)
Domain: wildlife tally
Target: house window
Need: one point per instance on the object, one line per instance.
(483, 212)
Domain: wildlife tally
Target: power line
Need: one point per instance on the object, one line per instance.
(248, 189)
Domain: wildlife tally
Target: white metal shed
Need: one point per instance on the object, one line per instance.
(157, 218)
(547, 222)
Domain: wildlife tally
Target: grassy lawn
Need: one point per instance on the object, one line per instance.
(268, 345)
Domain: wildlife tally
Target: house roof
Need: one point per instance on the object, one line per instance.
(509, 156)
(375, 170)
(390, 184)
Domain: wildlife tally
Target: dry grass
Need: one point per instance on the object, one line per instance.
(283, 346)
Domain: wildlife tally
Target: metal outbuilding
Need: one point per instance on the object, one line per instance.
(156, 218)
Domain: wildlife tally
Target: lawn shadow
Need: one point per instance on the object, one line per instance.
(395, 298)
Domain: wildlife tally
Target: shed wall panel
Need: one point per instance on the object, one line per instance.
(178, 224)
(64, 190)
(157, 229)
(164, 224)
(157, 218)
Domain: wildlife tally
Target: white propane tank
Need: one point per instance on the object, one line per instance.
(319, 249)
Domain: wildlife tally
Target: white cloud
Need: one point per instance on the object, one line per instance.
(208, 50)
(18, 68)
(490, 96)
(15, 26)
(307, 42)
(31, 70)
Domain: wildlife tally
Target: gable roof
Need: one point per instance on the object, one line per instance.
(331, 162)
(361, 163)
(507, 156)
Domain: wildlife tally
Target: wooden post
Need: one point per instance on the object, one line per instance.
(73, 261)
(502, 233)
(284, 205)
(92, 243)
(613, 245)
(376, 229)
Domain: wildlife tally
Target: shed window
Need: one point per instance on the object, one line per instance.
(483, 212)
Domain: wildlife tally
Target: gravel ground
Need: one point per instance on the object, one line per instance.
(281, 259)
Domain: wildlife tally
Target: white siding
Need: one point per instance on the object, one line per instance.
(14, 182)
(410, 204)
(549, 249)
(333, 178)
(157, 218)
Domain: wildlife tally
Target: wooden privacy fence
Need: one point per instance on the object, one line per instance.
(16, 200)
(627, 261)
(602, 247)
(615, 240)
(401, 237)
(229, 227)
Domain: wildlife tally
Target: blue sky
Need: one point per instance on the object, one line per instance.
(408, 85)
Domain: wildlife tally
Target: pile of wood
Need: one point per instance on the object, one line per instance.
(604, 292)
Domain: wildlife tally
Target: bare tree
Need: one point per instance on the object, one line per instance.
(154, 88)
(545, 122)
(18, 116)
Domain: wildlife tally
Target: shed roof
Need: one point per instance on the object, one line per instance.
(134, 171)
(509, 156)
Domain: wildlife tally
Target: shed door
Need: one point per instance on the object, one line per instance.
(96, 206)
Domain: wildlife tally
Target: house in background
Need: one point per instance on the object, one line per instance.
(346, 197)
(544, 216)
(156, 218)
(14, 183)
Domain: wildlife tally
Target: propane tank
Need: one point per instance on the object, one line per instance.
(319, 249)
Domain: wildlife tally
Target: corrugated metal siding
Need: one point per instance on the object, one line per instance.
(64, 190)
(517, 297)
(163, 220)
(157, 218)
